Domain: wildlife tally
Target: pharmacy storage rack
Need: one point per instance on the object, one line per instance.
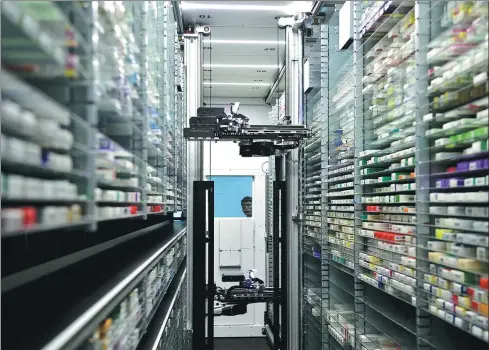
(311, 185)
(395, 192)
(92, 169)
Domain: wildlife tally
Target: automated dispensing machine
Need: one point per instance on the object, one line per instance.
(205, 298)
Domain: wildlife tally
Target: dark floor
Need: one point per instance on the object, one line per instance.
(241, 344)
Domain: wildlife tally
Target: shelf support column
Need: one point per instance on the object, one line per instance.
(195, 155)
(85, 105)
(325, 275)
(143, 43)
(360, 129)
(422, 170)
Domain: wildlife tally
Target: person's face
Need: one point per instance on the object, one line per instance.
(247, 208)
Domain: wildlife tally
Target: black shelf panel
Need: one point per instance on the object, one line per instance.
(17, 279)
(22, 252)
(65, 307)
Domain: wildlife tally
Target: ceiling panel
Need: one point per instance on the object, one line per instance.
(224, 74)
(236, 91)
(238, 17)
(242, 59)
(230, 18)
(243, 49)
(241, 24)
(246, 33)
(235, 79)
(264, 3)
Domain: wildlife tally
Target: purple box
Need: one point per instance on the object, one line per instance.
(45, 158)
(106, 144)
(462, 166)
(443, 183)
(478, 164)
(455, 183)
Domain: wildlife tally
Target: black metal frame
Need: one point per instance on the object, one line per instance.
(279, 323)
(203, 272)
(283, 264)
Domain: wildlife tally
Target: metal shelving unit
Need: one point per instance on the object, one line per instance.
(169, 335)
(96, 70)
(404, 193)
(93, 157)
(128, 323)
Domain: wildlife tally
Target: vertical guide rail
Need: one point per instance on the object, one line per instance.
(203, 266)
(275, 250)
(279, 237)
(294, 107)
(193, 69)
(199, 266)
(210, 264)
(283, 265)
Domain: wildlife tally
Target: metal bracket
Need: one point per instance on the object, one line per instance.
(194, 32)
(299, 20)
(205, 30)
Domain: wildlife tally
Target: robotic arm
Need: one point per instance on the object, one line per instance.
(226, 124)
(234, 300)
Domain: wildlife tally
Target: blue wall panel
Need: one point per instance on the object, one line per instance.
(229, 191)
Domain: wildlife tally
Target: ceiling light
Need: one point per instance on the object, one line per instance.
(252, 42)
(198, 5)
(296, 6)
(242, 66)
(237, 84)
(300, 6)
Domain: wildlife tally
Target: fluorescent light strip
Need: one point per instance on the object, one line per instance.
(237, 84)
(251, 42)
(198, 5)
(256, 66)
(296, 6)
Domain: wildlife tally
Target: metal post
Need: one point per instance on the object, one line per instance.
(325, 288)
(203, 269)
(362, 135)
(294, 107)
(91, 112)
(163, 91)
(421, 40)
(283, 267)
(210, 265)
(199, 299)
(275, 250)
(195, 156)
(143, 43)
